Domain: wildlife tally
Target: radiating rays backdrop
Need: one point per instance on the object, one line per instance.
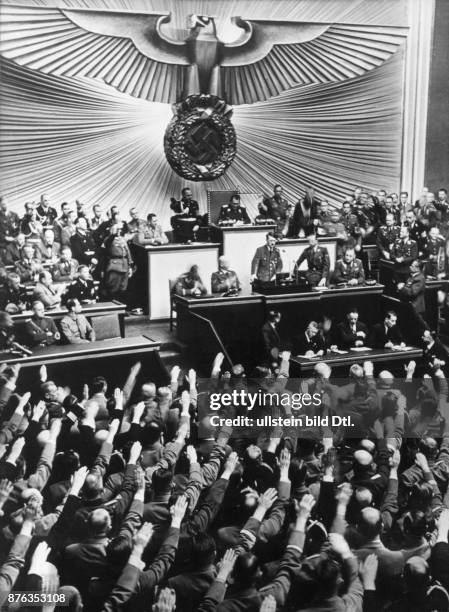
(82, 139)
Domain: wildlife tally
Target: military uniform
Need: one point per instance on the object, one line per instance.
(386, 237)
(83, 247)
(279, 210)
(41, 331)
(225, 280)
(266, 263)
(318, 264)
(416, 231)
(65, 271)
(82, 290)
(344, 272)
(233, 213)
(150, 235)
(118, 264)
(435, 253)
(184, 210)
(185, 285)
(28, 269)
(407, 250)
(47, 216)
(77, 329)
(9, 227)
(11, 295)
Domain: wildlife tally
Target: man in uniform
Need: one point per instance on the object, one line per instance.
(190, 283)
(434, 251)
(386, 236)
(13, 296)
(14, 249)
(413, 291)
(9, 226)
(279, 210)
(404, 251)
(135, 224)
(349, 269)
(234, 212)
(66, 268)
(41, 330)
(225, 280)
(185, 209)
(351, 225)
(151, 232)
(318, 263)
(83, 288)
(75, 327)
(267, 261)
(46, 214)
(417, 230)
(305, 216)
(83, 244)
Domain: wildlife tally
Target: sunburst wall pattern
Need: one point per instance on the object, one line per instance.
(81, 139)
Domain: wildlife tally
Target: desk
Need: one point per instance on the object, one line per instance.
(72, 364)
(156, 265)
(238, 319)
(384, 358)
(239, 244)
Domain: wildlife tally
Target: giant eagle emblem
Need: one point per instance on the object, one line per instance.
(201, 75)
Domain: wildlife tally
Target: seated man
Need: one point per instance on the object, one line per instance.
(41, 330)
(45, 292)
(349, 270)
(30, 224)
(311, 342)
(150, 232)
(190, 283)
(47, 250)
(82, 288)
(66, 269)
(13, 297)
(234, 212)
(267, 261)
(28, 267)
(75, 327)
(386, 334)
(352, 332)
(318, 263)
(13, 251)
(225, 280)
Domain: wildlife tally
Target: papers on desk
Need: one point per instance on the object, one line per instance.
(360, 349)
(337, 351)
(397, 347)
(312, 357)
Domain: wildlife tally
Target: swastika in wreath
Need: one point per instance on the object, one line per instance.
(200, 140)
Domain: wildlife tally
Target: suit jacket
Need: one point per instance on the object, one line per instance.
(379, 336)
(65, 271)
(83, 291)
(265, 264)
(317, 260)
(302, 221)
(78, 330)
(81, 245)
(271, 338)
(414, 290)
(12, 254)
(46, 253)
(48, 297)
(345, 272)
(303, 344)
(346, 337)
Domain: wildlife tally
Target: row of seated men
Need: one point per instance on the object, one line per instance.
(319, 338)
(40, 330)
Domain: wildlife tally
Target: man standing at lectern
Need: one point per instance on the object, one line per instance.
(267, 261)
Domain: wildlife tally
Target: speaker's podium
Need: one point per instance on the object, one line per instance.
(283, 283)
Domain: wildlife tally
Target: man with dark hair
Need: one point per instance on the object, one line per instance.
(185, 221)
(83, 288)
(352, 332)
(45, 292)
(413, 291)
(318, 263)
(150, 232)
(349, 270)
(270, 335)
(234, 212)
(279, 210)
(75, 327)
(41, 330)
(267, 261)
(386, 334)
(305, 216)
(83, 244)
(46, 214)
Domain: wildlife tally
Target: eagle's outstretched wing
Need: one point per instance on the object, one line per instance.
(126, 50)
(276, 56)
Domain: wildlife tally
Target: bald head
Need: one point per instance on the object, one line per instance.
(223, 263)
(370, 523)
(99, 521)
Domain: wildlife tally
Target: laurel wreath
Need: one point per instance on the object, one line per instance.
(188, 113)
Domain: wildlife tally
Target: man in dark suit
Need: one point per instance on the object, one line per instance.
(305, 215)
(83, 244)
(310, 343)
(386, 334)
(352, 332)
(434, 351)
(267, 261)
(318, 263)
(413, 291)
(279, 210)
(270, 335)
(185, 209)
